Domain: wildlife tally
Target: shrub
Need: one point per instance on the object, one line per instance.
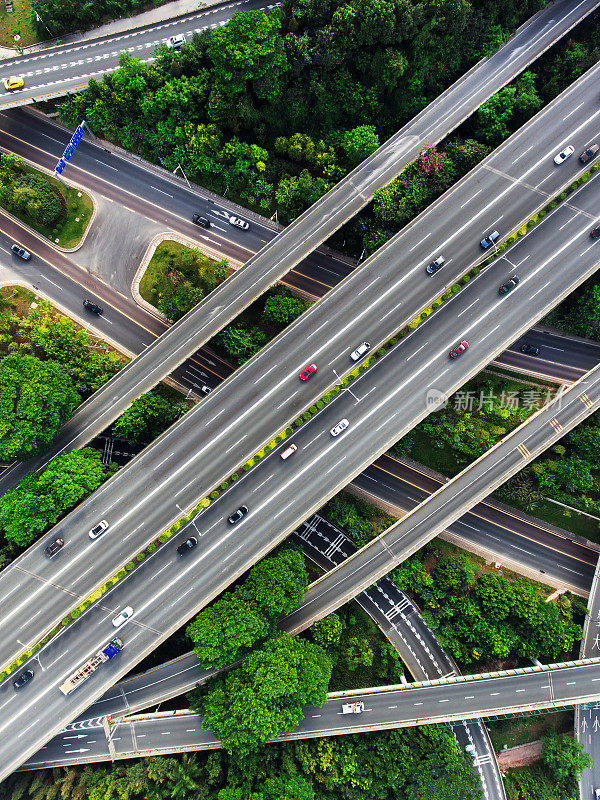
(140, 556)
(235, 476)
(299, 423)
(151, 548)
(306, 415)
(214, 495)
(75, 613)
(65, 621)
(224, 485)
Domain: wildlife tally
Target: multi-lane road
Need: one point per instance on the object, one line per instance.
(351, 194)
(429, 702)
(386, 400)
(232, 423)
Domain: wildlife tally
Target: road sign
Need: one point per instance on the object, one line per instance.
(70, 149)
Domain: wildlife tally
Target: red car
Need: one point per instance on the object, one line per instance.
(460, 348)
(306, 373)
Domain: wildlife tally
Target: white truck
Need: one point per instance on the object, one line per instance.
(353, 708)
(91, 665)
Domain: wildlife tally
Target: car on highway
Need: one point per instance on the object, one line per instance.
(121, 618)
(21, 252)
(564, 154)
(360, 351)
(435, 265)
(237, 515)
(595, 233)
(175, 41)
(188, 545)
(95, 309)
(205, 389)
(489, 240)
(198, 219)
(53, 547)
(23, 679)
(238, 222)
(530, 349)
(307, 372)
(459, 349)
(510, 284)
(289, 450)
(341, 426)
(588, 154)
(98, 529)
(596, 794)
(14, 82)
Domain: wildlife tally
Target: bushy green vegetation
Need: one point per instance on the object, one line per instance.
(579, 313)
(247, 614)
(409, 764)
(554, 777)
(178, 277)
(47, 365)
(36, 397)
(58, 212)
(485, 618)
(41, 498)
(361, 521)
(277, 107)
(266, 694)
(148, 416)
(63, 16)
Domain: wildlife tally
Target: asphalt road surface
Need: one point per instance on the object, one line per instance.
(434, 702)
(265, 394)
(517, 541)
(502, 189)
(67, 68)
(449, 503)
(387, 399)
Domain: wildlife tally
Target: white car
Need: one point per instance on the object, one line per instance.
(126, 614)
(341, 426)
(289, 450)
(175, 41)
(360, 351)
(98, 529)
(238, 222)
(564, 154)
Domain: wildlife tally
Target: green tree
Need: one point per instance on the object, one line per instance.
(359, 143)
(326, 632)
(240, 342)
(40, 499)
(36, 397)
(282, 309)
(147, 417)
(565, 758)
(266, 694)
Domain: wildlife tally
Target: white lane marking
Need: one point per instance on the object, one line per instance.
(417, 351)
(263, 483)
(163, 461)
(470, 198)
(570, 114)
(168, 564)
(156, 189)
(464, 311)
(236, 443)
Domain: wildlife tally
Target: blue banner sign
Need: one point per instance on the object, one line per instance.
(69, 149)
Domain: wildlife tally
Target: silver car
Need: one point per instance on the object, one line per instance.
(98, 529)
(360, 351)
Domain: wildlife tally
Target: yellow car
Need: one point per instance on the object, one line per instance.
(12, 83)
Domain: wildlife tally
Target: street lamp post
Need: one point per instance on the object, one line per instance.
(183, 173)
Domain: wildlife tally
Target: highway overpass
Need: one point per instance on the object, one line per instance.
(351, 194)
(446, 700)
(187, 461)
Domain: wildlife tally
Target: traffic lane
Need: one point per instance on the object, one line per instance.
(404, 538)
(347, 287)
(103, 170)
(484, 757)
(123, 323)
(588, 720)
(499, 533)
(539, 367)
(75, 63)
(182, 472)
(573, 350)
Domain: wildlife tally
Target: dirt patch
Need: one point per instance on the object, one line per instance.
(522, 756)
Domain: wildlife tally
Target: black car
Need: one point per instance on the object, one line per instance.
(237, 515)
(589, 153)
(198, 219)
(510, 284)
(595, 233)
(23, 679)
(530, 350)
(187, 545)
(21, 252)
(53, 547)
(87, 304)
